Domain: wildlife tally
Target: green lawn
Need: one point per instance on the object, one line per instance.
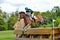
(7, 35)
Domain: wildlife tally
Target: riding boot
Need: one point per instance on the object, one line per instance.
(34, 19)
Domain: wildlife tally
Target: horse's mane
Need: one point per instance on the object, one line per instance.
(21, 12)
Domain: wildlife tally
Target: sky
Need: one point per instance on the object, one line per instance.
(35, 5)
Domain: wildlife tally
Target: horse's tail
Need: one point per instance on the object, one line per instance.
(39, 17)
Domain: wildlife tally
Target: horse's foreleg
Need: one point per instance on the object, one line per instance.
(26, 27)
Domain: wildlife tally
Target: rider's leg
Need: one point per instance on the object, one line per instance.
(34, 19)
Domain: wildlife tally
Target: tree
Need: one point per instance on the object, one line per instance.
(3, 23)
(12, 20)
(57, 21)
(49, 16)
(36, 12)
(56, 10)
(16, 13)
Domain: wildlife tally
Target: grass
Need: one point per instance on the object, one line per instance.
(7, 35)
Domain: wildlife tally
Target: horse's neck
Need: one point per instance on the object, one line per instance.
(27, 19)
(26, 15)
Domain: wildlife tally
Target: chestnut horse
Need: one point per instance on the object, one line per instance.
(27, 19)
(28, 22)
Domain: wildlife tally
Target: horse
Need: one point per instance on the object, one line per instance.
(27, 19)
(28, 22)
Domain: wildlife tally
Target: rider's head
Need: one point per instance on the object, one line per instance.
(26, 8)
(28, 11)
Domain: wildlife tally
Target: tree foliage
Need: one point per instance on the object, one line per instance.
(7, 21)
(12, 20)
(56, 9)
(3, 23)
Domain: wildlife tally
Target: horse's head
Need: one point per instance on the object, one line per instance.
(22, 14)
(25, 17)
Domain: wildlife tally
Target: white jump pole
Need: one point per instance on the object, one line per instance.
(53, 28)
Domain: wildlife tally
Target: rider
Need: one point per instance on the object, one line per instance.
(30, 13)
